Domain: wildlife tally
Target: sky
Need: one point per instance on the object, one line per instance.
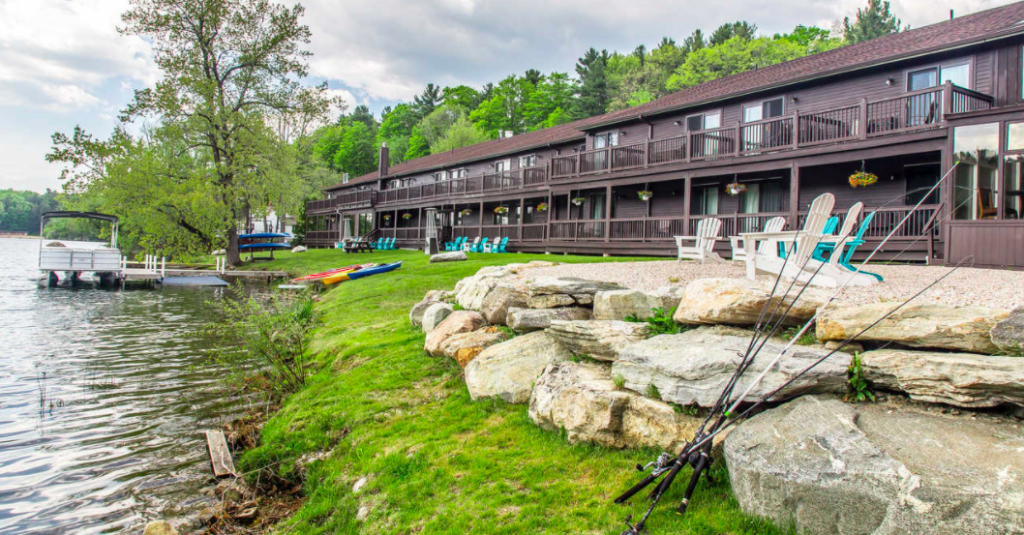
(63, 63)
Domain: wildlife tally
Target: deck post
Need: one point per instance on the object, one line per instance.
(947, 100)
(862, 128)
(687, 186)
(608, 213)
(796, 129)
(522, 215)
(794, 196)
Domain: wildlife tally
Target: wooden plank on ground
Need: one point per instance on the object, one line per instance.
(220, 455)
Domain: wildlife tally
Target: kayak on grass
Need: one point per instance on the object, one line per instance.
(329, 272)
(263, 246)
(352, 275)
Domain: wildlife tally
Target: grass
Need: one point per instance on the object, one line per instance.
(438, 462)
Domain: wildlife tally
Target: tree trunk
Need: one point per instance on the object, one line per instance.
(233, 256)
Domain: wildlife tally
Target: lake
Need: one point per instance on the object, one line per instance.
(103, 397)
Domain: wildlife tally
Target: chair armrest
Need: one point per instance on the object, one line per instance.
(737, 241)
(786, 235)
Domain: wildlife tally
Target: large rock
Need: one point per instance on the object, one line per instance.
(435, 314)
(570, 285)
(453, 256)
(602, 340)
(464, 347)
(827, 467)
(550, 301)
(620, 304)
(535, 319)
(471, 291)
(460, 321)
(957, 328)
(581, 398)
(433, 296)
(499, 299)
(1008, 334)
(509, 369)
(740, 302)
(159, 527)
(694, 367)
(299, 249)
(960, 379)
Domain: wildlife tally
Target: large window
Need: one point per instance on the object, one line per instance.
(704, 121)
(606, 139)
(975, 188)
(527, 161)
(704, 200)
(1013, 187)
(763, 110)
(957, 73)
(459, 173)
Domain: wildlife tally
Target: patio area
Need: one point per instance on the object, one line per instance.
(1000, 289)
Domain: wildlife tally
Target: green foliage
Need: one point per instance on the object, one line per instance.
(356, 153)
(873, 21)
(509, 333)
(620, 381)
(660, 322)
(652, 392)
(859, 390)
(592, 94)
(20, 210)
(418, 145)
(584, 358)
(425, 102)
(740, 29)
(461, 134)
(271, 334)
(395, 130)
(808, 338)
(734, 56)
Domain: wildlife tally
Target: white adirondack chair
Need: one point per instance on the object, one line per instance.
(493, 246)
(832, 269)
(739, 252)
(804, 240)
(703, 243)
(467, 246)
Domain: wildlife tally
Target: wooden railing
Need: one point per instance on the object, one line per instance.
(909, 112)
(352, 199)
(485, 183)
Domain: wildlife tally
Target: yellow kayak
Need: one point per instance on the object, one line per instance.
(343, 276)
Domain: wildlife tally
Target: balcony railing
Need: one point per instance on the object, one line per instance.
(910, 112)
(355, 199)
(486, 183)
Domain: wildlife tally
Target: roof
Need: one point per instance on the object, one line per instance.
(84, 215)
(960, 32)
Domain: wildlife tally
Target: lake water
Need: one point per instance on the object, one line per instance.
(103, 397)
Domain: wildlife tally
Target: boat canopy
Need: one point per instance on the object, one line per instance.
(85, 215)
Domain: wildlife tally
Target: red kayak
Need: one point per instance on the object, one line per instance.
(328, 273)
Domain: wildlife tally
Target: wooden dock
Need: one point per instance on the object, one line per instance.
(156, 274)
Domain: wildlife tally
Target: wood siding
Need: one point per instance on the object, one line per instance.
(991, 243)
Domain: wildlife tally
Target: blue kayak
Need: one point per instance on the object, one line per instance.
(266, 245)
(264, 235)
(373, 271)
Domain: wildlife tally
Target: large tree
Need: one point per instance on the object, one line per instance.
(593, 88)
(231, 68)
(873, 21)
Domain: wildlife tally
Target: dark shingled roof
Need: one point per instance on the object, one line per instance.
(971, 29)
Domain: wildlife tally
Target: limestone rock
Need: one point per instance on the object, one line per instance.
(509, 369)
(540, 263)
(740, 301)
(570, 285)
(299, 249)
(535, 319)
(499, 298)
(581, 398)
(852, 347)
(600, 339)
(452, 256)
(957, 328)
(694, 367)
(550, 301)
(435, 314)
(464, 347)
(828, 467)
(584, 300)
(960, 379)
(471, 291)
(619, 304)
(460, 321)
(159, 527)
(433, 296)
(1008, 334)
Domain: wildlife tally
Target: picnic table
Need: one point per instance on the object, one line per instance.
(358, 246)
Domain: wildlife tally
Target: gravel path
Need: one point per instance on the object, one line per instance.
(1001, 289)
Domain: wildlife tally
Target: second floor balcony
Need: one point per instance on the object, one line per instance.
(515, 179)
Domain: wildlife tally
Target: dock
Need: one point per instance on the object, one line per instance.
(152, 269)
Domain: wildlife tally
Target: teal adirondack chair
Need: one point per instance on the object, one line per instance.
(391, 246)
(830, 228)
(377, 244)
(455, 245)
(851, 247)
(479, 247)
(501, 246)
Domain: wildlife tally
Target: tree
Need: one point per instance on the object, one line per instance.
(356, 154)
(546, 105)
(533, 76)
(593, 88)
(874, 21)
(461, 134)
(741, 29)
(732, 57)
(505, 109)
(362, 114)
(425, 102)
(229, 67)
(434, 126)
(418, 145)
(395, 130)
(461, 96)
(694, 42)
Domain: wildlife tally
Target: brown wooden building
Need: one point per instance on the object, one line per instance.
(904, 107)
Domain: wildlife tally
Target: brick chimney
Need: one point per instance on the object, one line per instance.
(382, 165)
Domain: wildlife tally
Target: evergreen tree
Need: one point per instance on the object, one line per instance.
(593, 85)
(741, 29)
(533, 76)
(694, 42)
(874, 21)
(362, 114)
(425, 102)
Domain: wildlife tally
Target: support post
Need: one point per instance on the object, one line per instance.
(794, 197)
(522, 215)
(687, 186)
(480, 225)
(862, 128)
(608, 213)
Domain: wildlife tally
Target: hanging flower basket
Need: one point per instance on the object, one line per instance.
(467, 211)
(542, 207)
(645, 195)
(501, 210)
(387, 217)
(578, 201)
(407, 216)
(862, 179)
(735, 188)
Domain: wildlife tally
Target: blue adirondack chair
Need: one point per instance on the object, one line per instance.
(851, 246)
(830, 228)
(455, 245)
(391, 246)
(479, 247)
(377, 244)
(501, 246)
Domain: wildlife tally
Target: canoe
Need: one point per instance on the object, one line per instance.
(329, 272)
(352, 275)
(264, 235)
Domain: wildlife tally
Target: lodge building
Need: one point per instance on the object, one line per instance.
(905, 107)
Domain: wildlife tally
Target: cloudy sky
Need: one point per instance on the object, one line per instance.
(62, 62)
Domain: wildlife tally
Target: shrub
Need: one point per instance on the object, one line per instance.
(660, 322)
(652, 392)
(620, 381)
(859, 388)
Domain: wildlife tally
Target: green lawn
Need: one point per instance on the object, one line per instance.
(438, 462)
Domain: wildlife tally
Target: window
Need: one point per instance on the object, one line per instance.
(975, 192)
(395, 184)
(527, 161)
(607, 139)
(501, 166)
(458, 173)
(344, 178)
(440, 176)
(1015, 136)
(957, 73)
(705, 200)
(1013, 169)
(763, 110)
(704, 121)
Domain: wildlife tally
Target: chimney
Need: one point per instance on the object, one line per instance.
(382, 165)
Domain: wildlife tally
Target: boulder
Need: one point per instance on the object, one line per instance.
(540, 263)
(959, 379)
(620, 304)
(299, 249)
(581, 398)
(694, 367)
(599, 339)
(460, 321)
(435, 314)
(499, 298)
(453, 256)
(957, 328)
(535, 319)
(740, 302)
(1008, 334)
(470, 292)
(464, 347)
(159, 527)
(433, 296)
(509, 369)
(827, 467)
(570, 285)
(550, 301)
(584, 300)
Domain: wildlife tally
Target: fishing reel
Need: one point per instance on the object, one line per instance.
(662, 463)
(632, 529)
